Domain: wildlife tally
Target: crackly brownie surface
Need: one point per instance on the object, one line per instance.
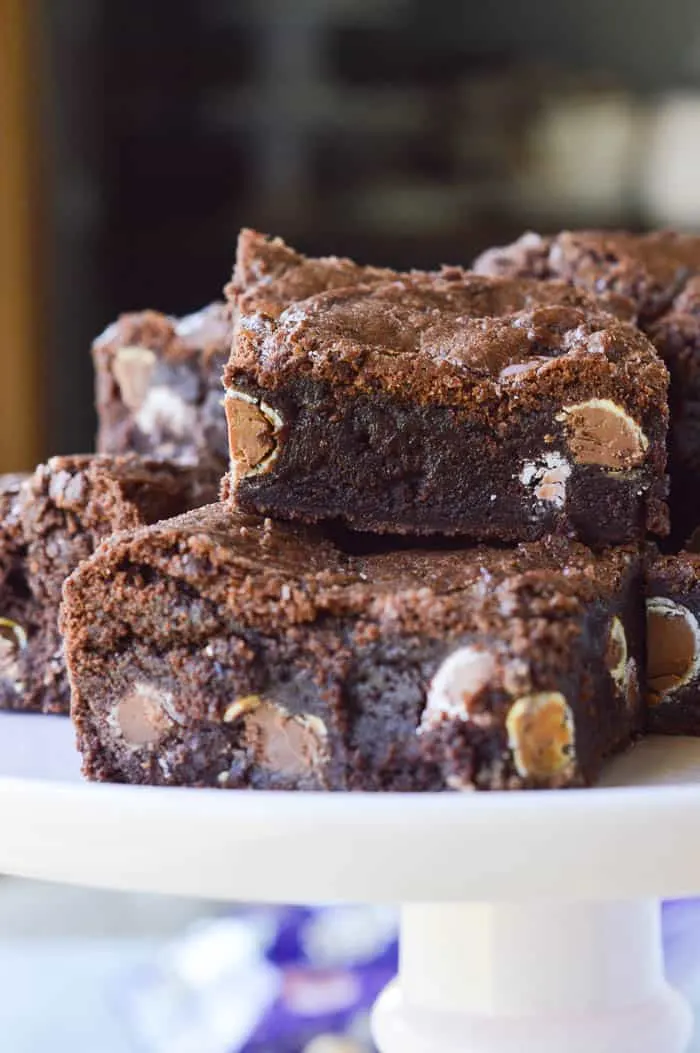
(451, 403)
(673, 644)
(650, 269)
(158, 385)
(269, 275)
(660, 272)
(226, 650)
(55, 519)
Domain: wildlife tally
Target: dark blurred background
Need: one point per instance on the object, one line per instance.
(137, 136)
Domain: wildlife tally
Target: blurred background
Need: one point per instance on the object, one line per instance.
(137, 137)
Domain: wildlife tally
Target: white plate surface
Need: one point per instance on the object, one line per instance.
(636, 835)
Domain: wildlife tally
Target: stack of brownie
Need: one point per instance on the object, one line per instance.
(428, 564)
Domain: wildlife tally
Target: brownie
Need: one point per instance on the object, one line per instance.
(673, 644)
(444, 403)
(222, 649)
(660, 272)
(51, 521)
(158, 386)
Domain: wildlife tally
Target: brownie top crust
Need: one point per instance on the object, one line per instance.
(204, 334)
(470, 339)
(275, 576)
(651, 269)
(97, 491)
(269, 275)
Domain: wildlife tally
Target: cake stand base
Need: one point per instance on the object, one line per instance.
(531, 978)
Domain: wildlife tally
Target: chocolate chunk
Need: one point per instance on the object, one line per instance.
(547, 478)
(252, 428)
(673, 647)
(133, 368)
(541, 735)
(600, 432)
(288, 745)
(458, 683)
(140, 716)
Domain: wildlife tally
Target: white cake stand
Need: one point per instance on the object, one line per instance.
(530, 922)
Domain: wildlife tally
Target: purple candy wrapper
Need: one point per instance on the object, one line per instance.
(300, 980)
(292, 980)
(335, 962)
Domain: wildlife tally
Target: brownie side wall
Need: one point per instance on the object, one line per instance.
(203, 676)
(190, 651)
(380, 465)
(568, 658)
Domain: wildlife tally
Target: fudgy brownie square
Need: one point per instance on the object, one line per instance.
(158, 386)
(51, 521)
(660, 273)
(673, 644)
(221, 649)
(443, 403)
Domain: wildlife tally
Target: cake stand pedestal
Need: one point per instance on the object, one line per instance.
(530, 922)
(537, 978)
